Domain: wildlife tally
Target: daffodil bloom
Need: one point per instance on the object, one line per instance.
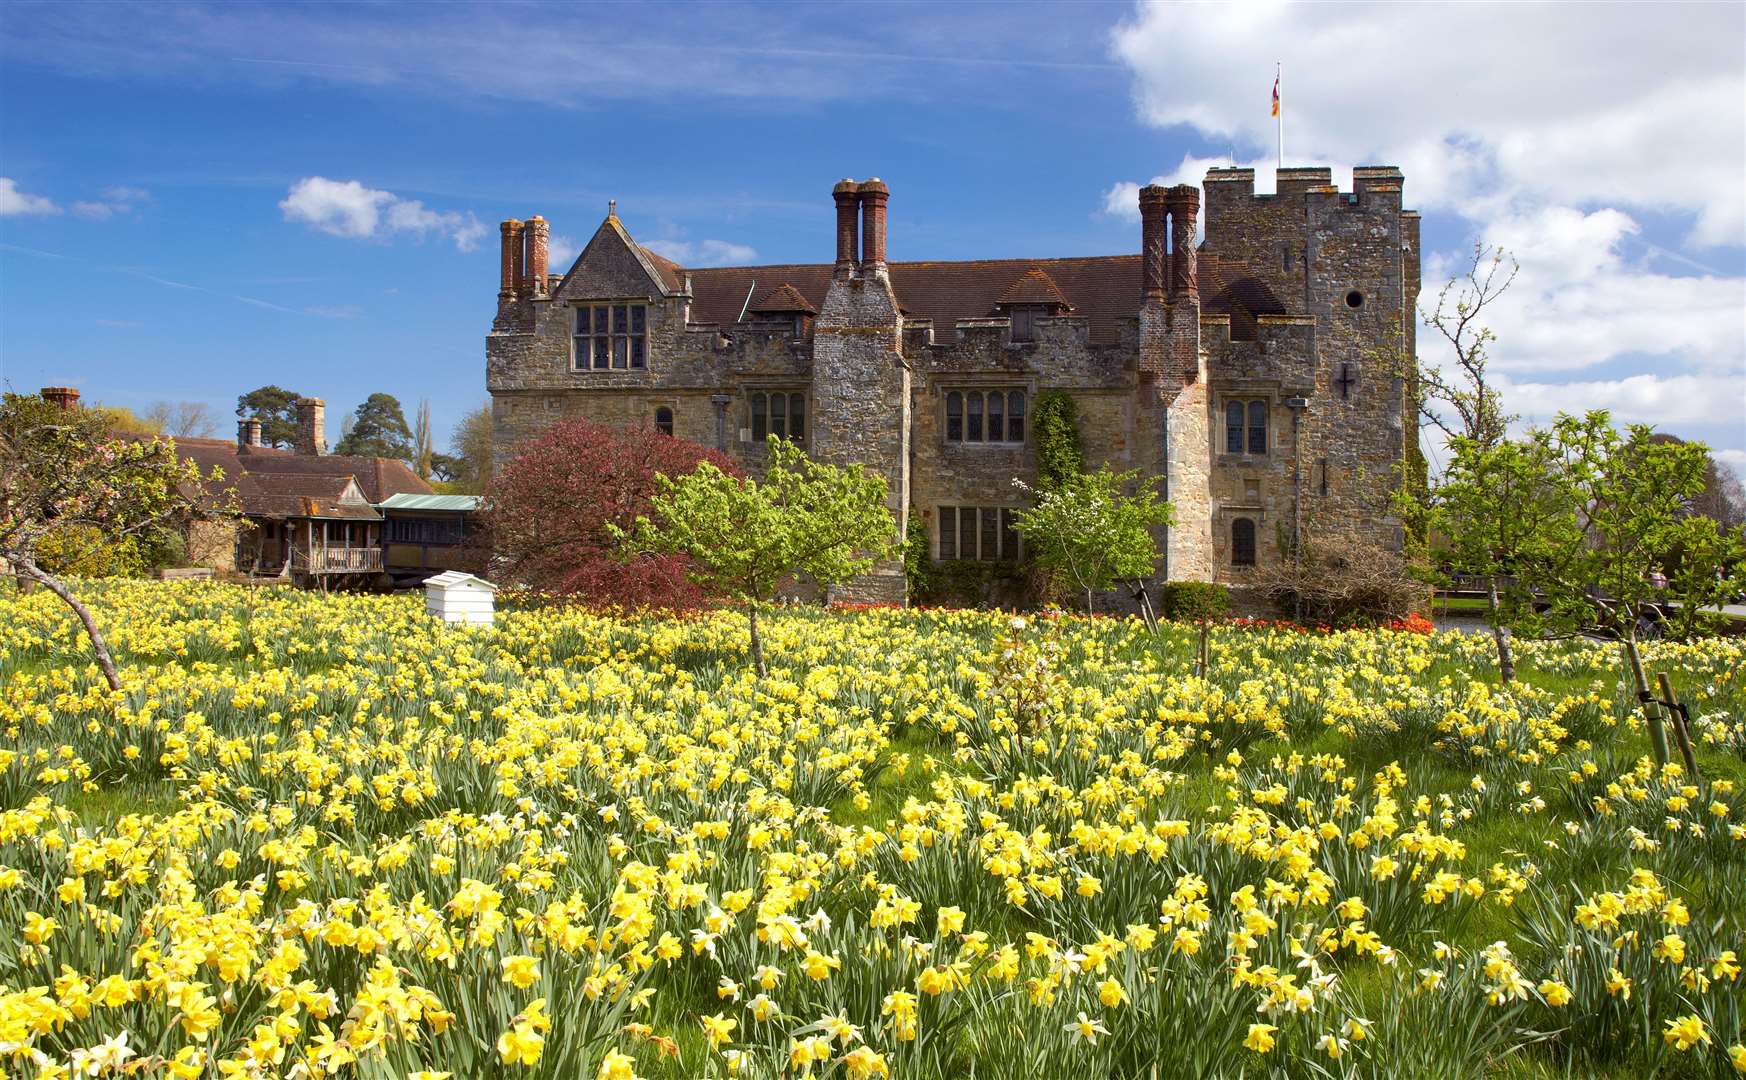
(1087, 1029)
(1686, 1032)
(1260, 1038)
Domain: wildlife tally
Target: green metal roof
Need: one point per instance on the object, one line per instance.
(405, 501)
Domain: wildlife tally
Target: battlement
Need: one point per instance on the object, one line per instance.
(1225, 187)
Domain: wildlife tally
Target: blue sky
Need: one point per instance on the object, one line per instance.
(198, 200)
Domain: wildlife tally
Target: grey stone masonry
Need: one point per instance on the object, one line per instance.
(1290, 311)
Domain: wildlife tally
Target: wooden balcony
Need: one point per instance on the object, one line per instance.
(336, 560)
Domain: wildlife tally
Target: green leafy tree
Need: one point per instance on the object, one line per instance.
(1499, 508)
(467, 465)
(66, 483)
(276, 409)
(1092, 532)
(1055, 422)
(1630, 496)
(378, 429)
(744, 537)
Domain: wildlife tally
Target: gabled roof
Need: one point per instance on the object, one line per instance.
(784, 299)
(1033, 287)
(271, 482)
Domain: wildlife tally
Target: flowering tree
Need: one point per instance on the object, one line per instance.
(743, 538)
(1090, 531)
(66, 480)
(1628, 500)
(550, 508)
(1500, 509)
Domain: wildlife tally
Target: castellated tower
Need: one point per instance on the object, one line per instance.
(860, 381)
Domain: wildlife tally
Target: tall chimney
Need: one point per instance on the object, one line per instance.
(874, 195)
(248, 433)
(66, 397)
(847, 196)
(311, 427)
(510, 277)
(1154, 258)
(1184, 205)
(537, 232)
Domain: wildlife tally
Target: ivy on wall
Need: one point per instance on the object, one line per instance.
(1059, 456)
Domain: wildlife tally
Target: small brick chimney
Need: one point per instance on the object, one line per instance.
(248, 434)
(66, 397)
(311, 427)
(1183, 203)
(1154, 253)
(510, 279)
(847, 196)
(537, 233)
(874, 195)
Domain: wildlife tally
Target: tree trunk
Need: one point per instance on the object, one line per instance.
(757, 641)
(1651, 712)
(104, 661)
(1088, 601)
(1506, 661)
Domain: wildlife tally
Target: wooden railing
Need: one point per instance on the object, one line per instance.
(337, 560)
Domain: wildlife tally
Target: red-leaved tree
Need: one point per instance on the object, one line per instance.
(548, 508)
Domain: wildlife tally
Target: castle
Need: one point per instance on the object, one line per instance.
(1250, 375)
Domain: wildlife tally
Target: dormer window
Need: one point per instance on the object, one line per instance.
(609, 337)
(1024, 320)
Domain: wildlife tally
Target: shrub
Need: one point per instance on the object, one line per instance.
(1355, 583)
(1191, 601)
(1055, 422)
(918, 565)
(548, 509)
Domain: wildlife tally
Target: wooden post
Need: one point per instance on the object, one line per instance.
(1680, 733)
(1200, 653)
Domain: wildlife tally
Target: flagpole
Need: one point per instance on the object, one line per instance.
(1279, 81)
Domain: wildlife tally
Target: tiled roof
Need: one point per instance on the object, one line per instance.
(672, 274)
(1105, 289)
(271, 482)
(1033, 287)
(785, 298)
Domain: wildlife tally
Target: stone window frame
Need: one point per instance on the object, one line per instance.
(655, 417)
(788, 391)
(1248, 399)
(1002, 530)
(611, 339)
(1006, 390)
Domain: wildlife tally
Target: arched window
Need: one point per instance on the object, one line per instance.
(1257, 427)
(1234, 428)
(954, 417)
(664, 420)
(973, 430)
(1242, 542)
(996, 417)
(1015, 416)
(760, 417)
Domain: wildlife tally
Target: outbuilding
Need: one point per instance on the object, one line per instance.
(458, 597)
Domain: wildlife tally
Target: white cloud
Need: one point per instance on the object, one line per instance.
(1581, 301)
(349, 209)
(1640, 105)
(561, 251)
(115, 200)
(15, 202)
(704, 252)
(1675, 403)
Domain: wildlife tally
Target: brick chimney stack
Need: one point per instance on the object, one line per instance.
(874, 195)
(847, 196)
(537, 233)
(1154, 253)
(248, 434)
(1183, 202)
(311, 427)
(66, 397)
(510, 278)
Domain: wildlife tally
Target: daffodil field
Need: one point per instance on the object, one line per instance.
(329, 836)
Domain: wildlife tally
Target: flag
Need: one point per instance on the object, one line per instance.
(1275, 95)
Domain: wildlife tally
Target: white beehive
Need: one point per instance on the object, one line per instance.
(456, 597)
